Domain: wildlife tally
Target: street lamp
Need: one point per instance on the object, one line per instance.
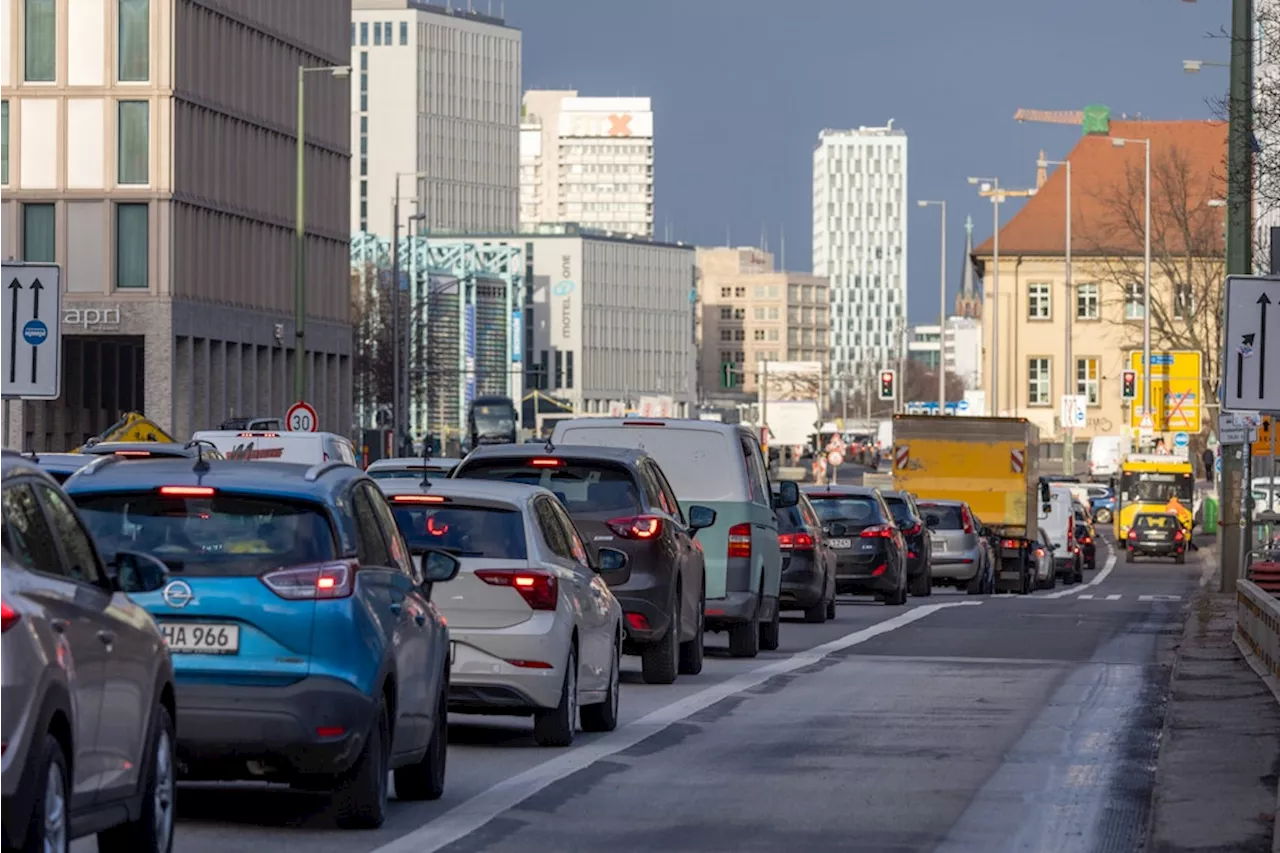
(300, 233)
(408, 343)
(1146, 271)
(1193, 66)
(397, 424)
(1068, 430)
(942, 309)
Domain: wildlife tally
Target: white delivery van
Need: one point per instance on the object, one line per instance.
(306, 448)
(1106, 452)
(1057, 519)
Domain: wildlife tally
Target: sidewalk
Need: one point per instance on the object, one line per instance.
(1216, 773)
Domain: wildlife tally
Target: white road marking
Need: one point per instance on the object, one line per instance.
(1086, 595)
(1159, 598)
(470, 815)
(1101, 576)
(1116, 598)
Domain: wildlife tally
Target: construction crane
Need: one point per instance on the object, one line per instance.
(1095, 119)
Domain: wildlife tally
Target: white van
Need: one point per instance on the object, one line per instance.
(307, 448)
(1106, 452)
(1057, 519)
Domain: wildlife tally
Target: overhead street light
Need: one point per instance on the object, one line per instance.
(1146, 270)
(1193, 66)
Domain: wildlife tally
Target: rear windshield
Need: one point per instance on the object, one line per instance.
(220, 535)
(465, 531)
(700, 465)
(581, 485)
(403, 473)
(852, 509)
(942, 516)
(1155, 522)
(900, 509)
(790, 519)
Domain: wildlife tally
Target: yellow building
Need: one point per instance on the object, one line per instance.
(1104, 306)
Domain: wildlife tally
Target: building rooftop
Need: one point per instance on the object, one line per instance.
(557, 229)
(1188, 166)
(463, 10)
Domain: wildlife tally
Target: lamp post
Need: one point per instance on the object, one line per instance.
(397, 424)
(1068, 430)
(408, 341)
(942, 309)
(300, 233)
(1146, 270)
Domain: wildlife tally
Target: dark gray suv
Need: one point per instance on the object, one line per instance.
(87, 686)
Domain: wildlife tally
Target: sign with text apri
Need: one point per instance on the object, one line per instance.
(32, 361)
(1250, 359)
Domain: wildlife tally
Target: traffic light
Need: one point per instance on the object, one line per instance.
(1129, 384)
(886, 385)
(728, 376)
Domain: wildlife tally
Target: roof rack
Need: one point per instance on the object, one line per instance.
(315, 472)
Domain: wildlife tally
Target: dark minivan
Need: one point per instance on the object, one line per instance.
(907, 515)
(808, 564)
(871, 554)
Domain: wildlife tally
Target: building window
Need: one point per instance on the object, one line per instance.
(759, 312)
(131, 245)
(757, 334)
(386, 38)
(1087, 379)
(364, 124)
(1088, 302)
(726, 312)
(364, 60)
(726, 334)
(4, 142)
(1038, 301)
(364, 34)
(364, 102)
(1183, 301)
(568, 356)
(42, 41)
(1134, 306)
(739, 334)
(740, 292)
(134, 154)
(739, 313)
(135, 40)
(353, 35)
(726, 292)
(1038, 381)
(404, 33)
(38, 233)
(377, 34)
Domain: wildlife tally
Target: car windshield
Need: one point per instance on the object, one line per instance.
(582, 486)
(1155, 522)
(467, 531)
(221, 534)
(942, 516)
(849, 509)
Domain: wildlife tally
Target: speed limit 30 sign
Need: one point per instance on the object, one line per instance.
(301, 417)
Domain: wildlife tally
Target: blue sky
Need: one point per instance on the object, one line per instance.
(741, 88)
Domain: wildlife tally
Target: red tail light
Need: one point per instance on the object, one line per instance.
(1040, 553)
(1086, 540)
(531, 664)
(546, 463)
(539, 589)
(1010, 543)
(419, 499)
(1177, 536)
(187, 491)
(1133, 534)
(912, 530)
(132, 453)
(636, 527)
(879, 531)
(313, 581)
(795, 541)
(330, 731)
(879, 570)
(740, 540)
(8, 617)
(638, 621)
(967, 519)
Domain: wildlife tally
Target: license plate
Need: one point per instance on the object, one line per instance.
(1157, 535)
(939, 544)
(196, 638)
(841, 543)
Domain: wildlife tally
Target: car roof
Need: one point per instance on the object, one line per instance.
(60, 462)
(514, 494)
(899, 495)
(850, 491)
(1164, 514)
(322, 482)
(682, 423)
(266, 433)
(629, 456)
(15, 464)
(412, 463)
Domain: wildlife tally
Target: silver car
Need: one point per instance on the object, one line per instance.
(960, 556)
(1046, 577)
(399, 467)
(85, 681)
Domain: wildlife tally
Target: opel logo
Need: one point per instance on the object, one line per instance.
(178, 594)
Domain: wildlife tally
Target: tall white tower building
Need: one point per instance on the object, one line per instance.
(860, 243)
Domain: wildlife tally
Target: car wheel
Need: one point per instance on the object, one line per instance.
(1180, 559)
(1102, 516)
(152, 832)
(49, 830)
(744, 638)
(603, 717)
(831, 607)
(360, 798)
(977, 584)
(1079, 572)
(693, 650)
(425, 779)
(555, 726)
(1128, 555)
(817, 614)
(922, 584)
(660, 661)
(898, 597)
(771, 631)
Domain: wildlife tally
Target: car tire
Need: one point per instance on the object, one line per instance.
(898, 597)
(152, 832)
(1079, 572)
(922, 584)
(660, 661)
(51, 803)
(977, 584)
(555, 726)
(360, 797)
(1180, 559)
(424, 780)
(1102, 516)
(744, 638)
(831, 607)
(771, 631)
(1128, 555)
(603, 716)
(693, 650)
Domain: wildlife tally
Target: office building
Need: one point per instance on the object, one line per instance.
(435, 95)
(149, 150)
(749, 313)
(587, 161)
(958, 346)
(860, 243)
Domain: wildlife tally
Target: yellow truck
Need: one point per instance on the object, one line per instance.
(132, 427)
(992, 464)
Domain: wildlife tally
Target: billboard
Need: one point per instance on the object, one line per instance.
(556, 313)
(790, 380)
(606, 117)
(1176, 391)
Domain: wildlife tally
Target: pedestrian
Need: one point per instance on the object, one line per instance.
(1208, 459)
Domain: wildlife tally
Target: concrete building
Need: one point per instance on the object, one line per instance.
(587, 160)
(860, 243)
(958, 346)
(749, 312)
(435, 93)
(149, 149)
(925, 345)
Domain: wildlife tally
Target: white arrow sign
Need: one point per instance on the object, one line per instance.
(32, 351)
(1250, 359)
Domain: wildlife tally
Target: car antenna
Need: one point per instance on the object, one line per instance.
(549, 447)
(202, 465)
(31, 454)
(426, 457)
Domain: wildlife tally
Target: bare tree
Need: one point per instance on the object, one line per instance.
(919, 385)
(371, 361)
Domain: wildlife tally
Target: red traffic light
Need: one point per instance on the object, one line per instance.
(1129, 384)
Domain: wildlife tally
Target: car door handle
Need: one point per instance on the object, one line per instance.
(59, 625)
(107, 637)
(420, 618)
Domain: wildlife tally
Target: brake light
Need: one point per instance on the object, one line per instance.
(740, 540)
(795, 541)
(418, 499)
(187, 491)
(638, 621)
(330, 731)
(1133, 534)
(132, 453)
(546, 463)
(530, 664)
(1010, 543)
(1040, 553)
(637, 527)
(879, 570)
(257, 435)
(539, 589)
(1086, 540)
(877, 531)
(968, 520)
(643, 423)
(1177, 536)
(313, 581)
(8, 617)
(912, 530)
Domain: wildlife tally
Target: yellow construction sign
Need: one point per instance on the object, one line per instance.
(1262, 447)
(1175, 391)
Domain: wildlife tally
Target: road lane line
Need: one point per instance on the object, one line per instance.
(1102, 575)
(470, 815)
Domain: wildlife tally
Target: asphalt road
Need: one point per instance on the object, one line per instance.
(951, 724)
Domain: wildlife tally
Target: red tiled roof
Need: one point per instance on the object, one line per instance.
(1188, 166)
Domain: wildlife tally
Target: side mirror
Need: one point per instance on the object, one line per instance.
(788, 494)
(435, 566)
(612, 564)
(134, 572)
(701, 517)
(1044, 491)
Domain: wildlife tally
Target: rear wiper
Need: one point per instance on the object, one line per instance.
(458, 552)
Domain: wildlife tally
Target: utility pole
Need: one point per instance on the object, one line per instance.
(1234, 489)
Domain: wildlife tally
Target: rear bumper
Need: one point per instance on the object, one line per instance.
(483, 678)
(1064, 565)
(733, 609)
(221, 727)
(1157, 549)
(955, 567)
(647, 593)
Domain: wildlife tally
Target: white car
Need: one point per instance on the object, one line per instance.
(1046, 577)
(534, 627)
(410, 466)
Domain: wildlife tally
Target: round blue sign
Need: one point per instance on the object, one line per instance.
(562, 288)
(1180, 439)
(963, 405)
(35, 332)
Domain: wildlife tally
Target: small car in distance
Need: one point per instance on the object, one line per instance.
(1156, 534)
(919, 543)
(808, 563)
(961, 555)
(1102, 503)
(871, 554)
(1086, 541)
(1042, 553)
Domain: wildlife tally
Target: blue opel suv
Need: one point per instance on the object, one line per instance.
(305, 646)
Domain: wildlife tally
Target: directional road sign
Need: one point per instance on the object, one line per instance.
(1250, 359)
(301, 418)
(32, 350)
(1175, 390)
